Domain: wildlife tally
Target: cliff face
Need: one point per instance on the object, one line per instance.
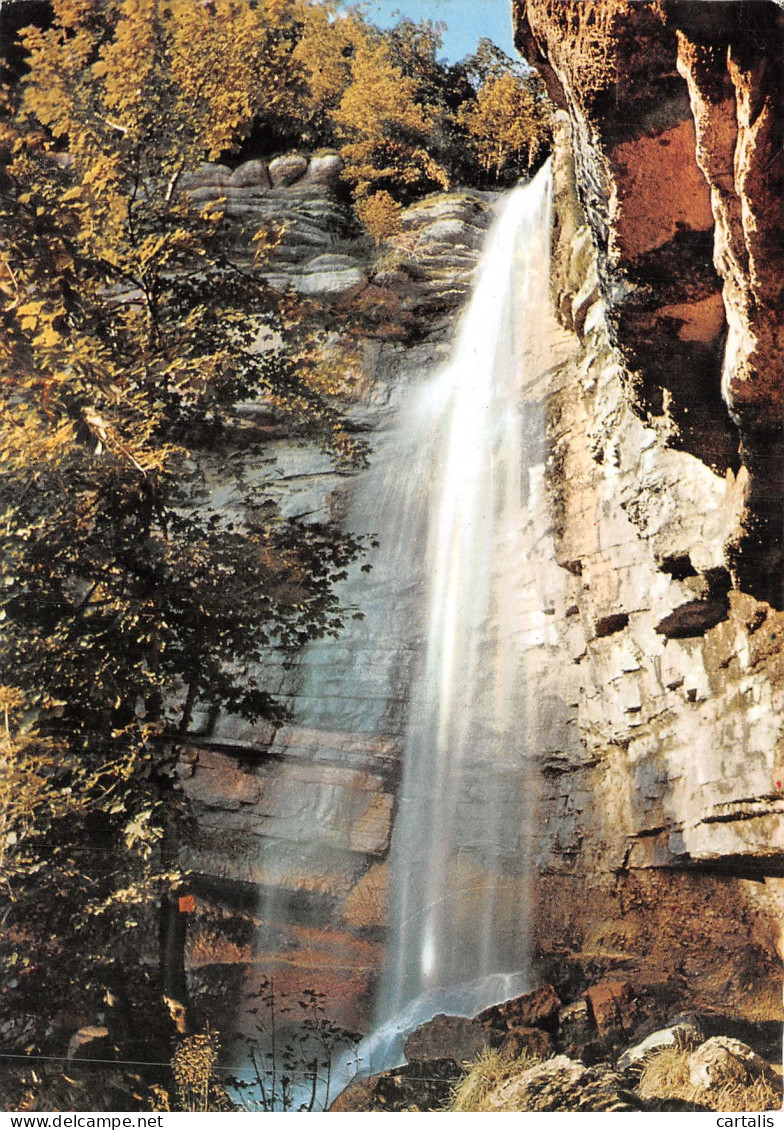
(651, 584)
(291, 824)
(655, 654)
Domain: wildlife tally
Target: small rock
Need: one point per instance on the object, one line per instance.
(679, 1033)
(284, 171)
(613, 1006)
(723, 1060)
(324, 170)
(537, 1009)
(453, 1037)
(251, 174)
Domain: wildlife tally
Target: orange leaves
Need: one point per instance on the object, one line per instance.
(384, 124)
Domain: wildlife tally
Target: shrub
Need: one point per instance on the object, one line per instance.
(380, 214)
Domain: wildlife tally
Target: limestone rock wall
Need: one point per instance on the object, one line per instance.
(655, 664)
(290, 825)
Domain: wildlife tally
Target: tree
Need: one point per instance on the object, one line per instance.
(385, 128)
(508, 125)
(128, 336)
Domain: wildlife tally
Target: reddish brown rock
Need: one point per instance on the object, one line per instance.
(533, 1042)
(655, 760)
(537, 1009)
(366, 905)
(613, 1006)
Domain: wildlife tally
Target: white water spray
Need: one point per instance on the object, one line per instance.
(459, 874)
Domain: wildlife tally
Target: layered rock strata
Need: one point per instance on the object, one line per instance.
(291, 824)
(676, 112)
(655, 631)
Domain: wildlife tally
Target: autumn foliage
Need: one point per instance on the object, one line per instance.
(127, 337)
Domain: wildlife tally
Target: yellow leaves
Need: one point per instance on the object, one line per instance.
(212, 212)
(506, 123)
(141, 835)
(380, 214)
(384, 126)
(48, 338)
(28, 314)
(12, 700)
(29, 440)
(324, 52)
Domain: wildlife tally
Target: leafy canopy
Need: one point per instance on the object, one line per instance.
(127, 337)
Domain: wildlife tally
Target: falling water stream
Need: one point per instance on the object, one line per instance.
(441, 641)
(458, 866)
(458, 934)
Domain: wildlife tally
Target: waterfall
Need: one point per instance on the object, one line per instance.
(458, 934)
(438, 653)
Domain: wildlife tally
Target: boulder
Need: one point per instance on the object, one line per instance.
(680, 1032)
(421, 1086)
(563, 1084)
(251, 174)
(324, 170)
(723, 1061)
(537, 1009)
(447, 1037)
(613, 1006)
(285, 170)
(208, 175)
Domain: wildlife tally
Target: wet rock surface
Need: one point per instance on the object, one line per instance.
(547, 1074)
(447, 1037)
(649, 602)
(291, 823)
(538, 1008)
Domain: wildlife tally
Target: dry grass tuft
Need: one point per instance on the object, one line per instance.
(666, 1076)
(488, 1071)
